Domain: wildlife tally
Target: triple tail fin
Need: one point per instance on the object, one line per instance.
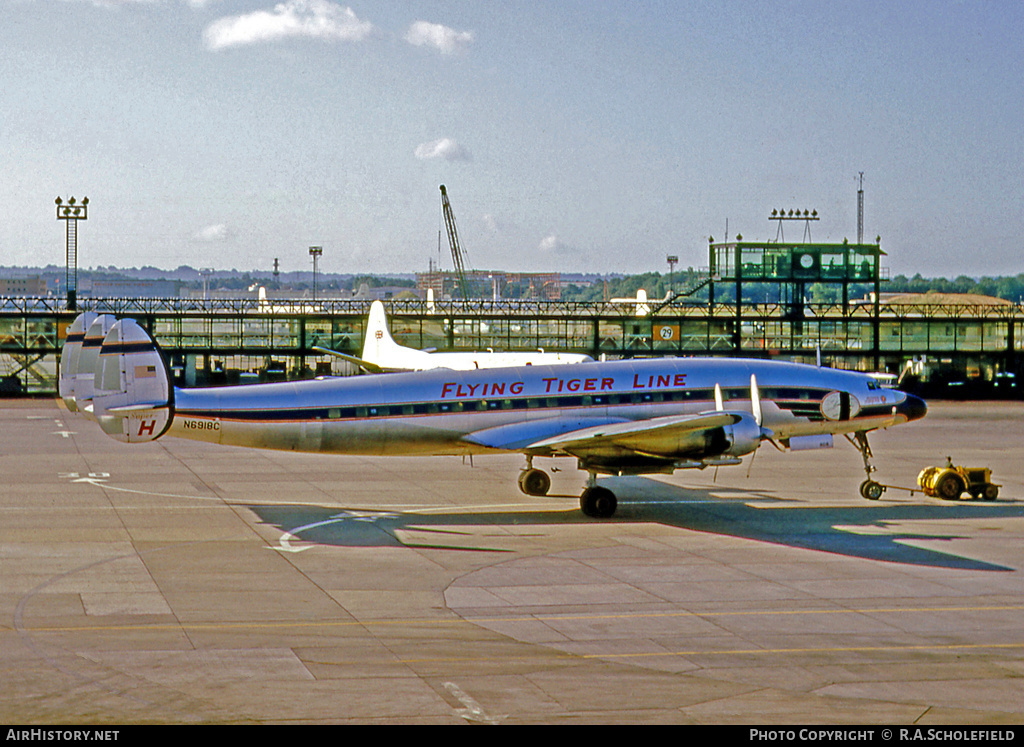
(69, 354)
(133, 398)
(88, 357)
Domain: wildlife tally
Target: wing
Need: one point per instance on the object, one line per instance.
(668, 438)
(522, 435)
(363, 364)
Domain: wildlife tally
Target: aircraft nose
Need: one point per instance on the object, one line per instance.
(912, 408)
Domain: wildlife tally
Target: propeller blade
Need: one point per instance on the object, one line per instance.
(719, 404)
(755, 401)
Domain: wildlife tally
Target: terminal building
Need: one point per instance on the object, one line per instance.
(794, 301)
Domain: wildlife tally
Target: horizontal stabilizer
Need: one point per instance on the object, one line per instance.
(136, 408)
(363, 364)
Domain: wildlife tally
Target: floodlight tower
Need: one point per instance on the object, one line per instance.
(71, 213)
(315, 252)
(672, 259)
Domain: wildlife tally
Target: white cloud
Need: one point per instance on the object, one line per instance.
(214, 234)
(126, 3)
(551, 243)
(319, 19)
(425, 34)
(491, 223)
(445, 148)
(119, 3)
(556, 250)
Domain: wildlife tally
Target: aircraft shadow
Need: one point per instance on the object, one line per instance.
(861, 531)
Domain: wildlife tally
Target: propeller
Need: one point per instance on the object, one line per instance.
(755, 400)
(719, 407)
(756, 409)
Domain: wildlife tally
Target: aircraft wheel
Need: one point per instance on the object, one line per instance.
(534, 482)
(598, 502)
(990, 493)
(949, 487)
(871, 490)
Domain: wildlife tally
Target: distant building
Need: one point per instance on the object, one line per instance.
(493, 284)
(129, 288)
(27, 286)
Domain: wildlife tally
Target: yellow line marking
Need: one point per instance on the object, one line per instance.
(521, 618)
(745, 652)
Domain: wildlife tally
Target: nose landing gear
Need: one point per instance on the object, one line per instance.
(869, 489)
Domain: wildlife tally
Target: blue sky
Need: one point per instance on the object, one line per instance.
(572, 136)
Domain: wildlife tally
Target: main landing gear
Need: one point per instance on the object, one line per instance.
(533, 481)
(596, 502)
(869, 489)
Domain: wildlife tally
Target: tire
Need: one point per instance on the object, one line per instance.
(949, 487)
(871, 490)
(598, 503)
(990, 493)
(534, 482)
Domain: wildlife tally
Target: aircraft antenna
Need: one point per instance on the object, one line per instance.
(453, 240)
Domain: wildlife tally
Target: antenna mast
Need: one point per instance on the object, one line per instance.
(860, 210)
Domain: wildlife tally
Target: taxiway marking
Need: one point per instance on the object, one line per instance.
(472, 711)
(284, 544)
(533, 618)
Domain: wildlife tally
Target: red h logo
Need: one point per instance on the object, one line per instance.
(147, 428)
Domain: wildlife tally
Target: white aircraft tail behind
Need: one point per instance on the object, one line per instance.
(382, 353)
(381, 349)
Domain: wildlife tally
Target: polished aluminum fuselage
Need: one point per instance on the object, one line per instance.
(442, 411)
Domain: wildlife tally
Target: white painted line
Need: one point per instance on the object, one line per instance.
(473, 711)
(284, 544)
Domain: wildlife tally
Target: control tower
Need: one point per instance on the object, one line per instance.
(745, 274)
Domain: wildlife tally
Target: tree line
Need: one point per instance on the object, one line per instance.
(657, 285)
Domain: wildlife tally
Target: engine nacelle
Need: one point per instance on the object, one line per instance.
(744, 436)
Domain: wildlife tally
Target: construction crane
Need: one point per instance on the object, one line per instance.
(453, 240)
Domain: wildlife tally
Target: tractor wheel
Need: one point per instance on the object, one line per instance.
(949, 487)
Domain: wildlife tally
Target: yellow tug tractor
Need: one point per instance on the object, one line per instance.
(950, 482)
